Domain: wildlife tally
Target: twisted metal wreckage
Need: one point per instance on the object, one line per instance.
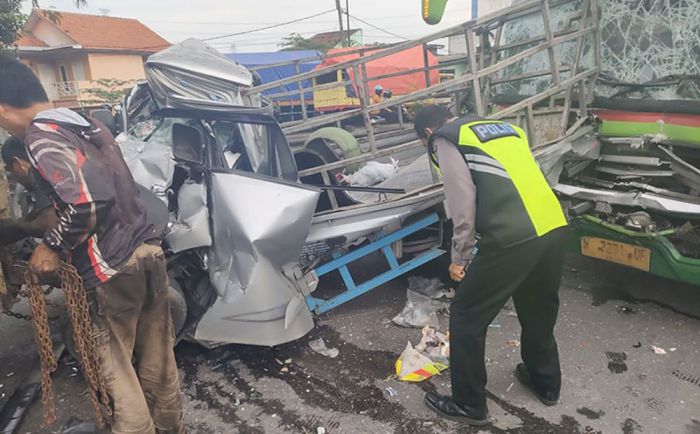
(254, 221)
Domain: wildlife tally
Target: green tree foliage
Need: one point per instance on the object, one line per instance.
(107, 91)
(12, 19)
(297, 42)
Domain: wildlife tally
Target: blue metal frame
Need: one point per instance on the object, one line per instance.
(340, 263)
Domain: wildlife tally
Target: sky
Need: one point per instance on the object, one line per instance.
(177, 20)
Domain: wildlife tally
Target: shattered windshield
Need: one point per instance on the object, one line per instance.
(651, 42)
(649, 50)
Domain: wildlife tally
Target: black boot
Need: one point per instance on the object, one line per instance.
(447, 408)
(545, 397)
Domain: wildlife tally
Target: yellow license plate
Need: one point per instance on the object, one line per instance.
(619, 253)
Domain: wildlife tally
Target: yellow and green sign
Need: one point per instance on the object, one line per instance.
(433, 10)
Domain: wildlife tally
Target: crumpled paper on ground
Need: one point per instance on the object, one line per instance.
(319, 346)
(430, 357)
(424, 299)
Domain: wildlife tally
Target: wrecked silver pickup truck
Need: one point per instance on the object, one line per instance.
(240, 218)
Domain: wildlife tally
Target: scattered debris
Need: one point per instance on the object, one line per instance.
(658, 350)
(288, 362)
(254, 395)
(590, 414)
(414, 366)
(319, 346)
(637, 345)
(435, 345)
(513, 343)
(284, 369)
(430, 357)
(391, 391)
(424, 299)
(432, 288)
(625, 309)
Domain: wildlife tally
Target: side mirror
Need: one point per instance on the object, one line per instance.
(188, 145)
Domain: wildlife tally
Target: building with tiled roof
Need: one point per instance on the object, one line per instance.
(338, 39)
(69, 52)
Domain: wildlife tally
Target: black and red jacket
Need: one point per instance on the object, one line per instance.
(102, 219)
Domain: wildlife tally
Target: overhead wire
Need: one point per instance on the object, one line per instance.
(213, 38)
(270, 26)
(253, 42)
(376, 27)
(258, 23)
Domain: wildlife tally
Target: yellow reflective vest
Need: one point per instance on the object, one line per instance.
(514, 203)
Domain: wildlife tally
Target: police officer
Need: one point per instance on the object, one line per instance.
(494, 187)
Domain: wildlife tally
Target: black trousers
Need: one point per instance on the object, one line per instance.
(530, 273)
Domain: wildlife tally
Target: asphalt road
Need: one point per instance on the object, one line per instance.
(613, 381)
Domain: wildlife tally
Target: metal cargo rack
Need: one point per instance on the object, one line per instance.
(383, 243)
(491, 60)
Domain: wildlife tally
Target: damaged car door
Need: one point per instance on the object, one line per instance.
(260, 218)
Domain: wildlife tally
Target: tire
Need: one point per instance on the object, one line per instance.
(178, 308)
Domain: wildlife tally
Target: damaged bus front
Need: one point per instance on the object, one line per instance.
(632, 200)
(631, 181)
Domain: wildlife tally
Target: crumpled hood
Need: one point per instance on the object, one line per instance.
(192, 74)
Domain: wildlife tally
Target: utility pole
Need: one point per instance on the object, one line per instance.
(347, 14)
(340, 15)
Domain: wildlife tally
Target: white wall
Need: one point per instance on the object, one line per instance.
(51, 35)
(488, 6)
(456, 44)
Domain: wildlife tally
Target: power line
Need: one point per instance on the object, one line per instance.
(269, 27)
(266, 34)
(375, 27)
(260, 23)
(213, 38)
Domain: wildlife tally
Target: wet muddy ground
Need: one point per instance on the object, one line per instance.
(613, 381)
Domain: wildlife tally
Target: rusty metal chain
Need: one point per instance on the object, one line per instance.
(84, 338)
(42, 335)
